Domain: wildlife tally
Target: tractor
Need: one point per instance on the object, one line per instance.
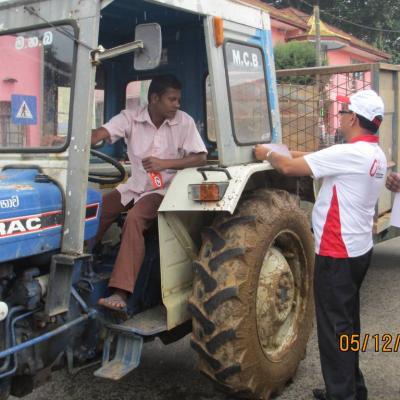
(230, 258)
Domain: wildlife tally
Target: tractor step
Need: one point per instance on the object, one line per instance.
(146, 323)
(130, 342)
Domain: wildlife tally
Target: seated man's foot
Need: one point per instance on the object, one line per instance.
(319, 394)
(117, 301)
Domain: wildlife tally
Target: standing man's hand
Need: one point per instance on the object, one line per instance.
(260, 152)
(393, 182)
(153, 164)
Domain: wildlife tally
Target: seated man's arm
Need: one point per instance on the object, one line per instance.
(52, 140)
(154, 164)
(99, 134)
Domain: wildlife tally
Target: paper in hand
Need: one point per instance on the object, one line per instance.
(278, 148)
(395, 215)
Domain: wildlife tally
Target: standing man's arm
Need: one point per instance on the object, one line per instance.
(285, 165)
(297, 154)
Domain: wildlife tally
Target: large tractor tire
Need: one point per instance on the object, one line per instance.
(252, 303)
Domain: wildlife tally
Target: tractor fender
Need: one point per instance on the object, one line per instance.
(177, 198)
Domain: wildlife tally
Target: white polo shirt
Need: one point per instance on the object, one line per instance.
(354, 174)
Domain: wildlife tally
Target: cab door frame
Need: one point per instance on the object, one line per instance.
(229, 151)
(74, 163)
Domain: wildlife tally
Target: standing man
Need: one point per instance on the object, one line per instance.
(353, 175)
(160, 140)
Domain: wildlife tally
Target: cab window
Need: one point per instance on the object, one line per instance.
(247, 93)
(136, 93)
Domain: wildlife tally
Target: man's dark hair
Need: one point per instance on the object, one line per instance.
(160, 84)
(371, 126)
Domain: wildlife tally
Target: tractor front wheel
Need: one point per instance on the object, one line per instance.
(252, 303)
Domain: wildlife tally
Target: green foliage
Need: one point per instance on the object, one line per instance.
(295, 55)
(382, 16)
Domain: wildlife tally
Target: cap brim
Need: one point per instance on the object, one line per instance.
(343, 99)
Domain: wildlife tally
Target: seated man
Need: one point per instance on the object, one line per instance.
(160, 140)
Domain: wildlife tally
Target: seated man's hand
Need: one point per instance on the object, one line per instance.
(153, 164)
(52, 140)
(393, 182)
(260, 152)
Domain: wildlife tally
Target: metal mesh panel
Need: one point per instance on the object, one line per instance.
(308, 105)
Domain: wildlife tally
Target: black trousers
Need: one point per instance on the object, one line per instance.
(337, 285)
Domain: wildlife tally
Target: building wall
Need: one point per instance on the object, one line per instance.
(278, 35)
(345, 57)
(23, 66)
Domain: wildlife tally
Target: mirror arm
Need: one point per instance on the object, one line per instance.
(101, 53)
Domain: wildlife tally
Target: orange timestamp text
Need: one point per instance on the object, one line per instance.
(385, 343)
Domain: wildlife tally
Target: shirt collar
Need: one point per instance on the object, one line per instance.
(144, 116)
(175, 120)
(365, 138)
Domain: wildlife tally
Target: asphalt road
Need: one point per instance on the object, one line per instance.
(170, 373)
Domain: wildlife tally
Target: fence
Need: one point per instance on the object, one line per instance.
(309, 112)
(308, 106)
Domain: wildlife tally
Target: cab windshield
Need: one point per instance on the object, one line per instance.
(36, 79)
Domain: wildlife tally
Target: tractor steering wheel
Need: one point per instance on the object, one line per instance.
(107, 177)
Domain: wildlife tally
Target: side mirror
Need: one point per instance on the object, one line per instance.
(150, 55)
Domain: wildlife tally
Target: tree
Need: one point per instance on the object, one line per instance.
(295, 55)
(357, 17)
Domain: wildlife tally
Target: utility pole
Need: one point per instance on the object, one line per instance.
(323, 137)
(317, 34)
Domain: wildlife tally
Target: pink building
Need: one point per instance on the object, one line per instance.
(309, 115)
(20, 74)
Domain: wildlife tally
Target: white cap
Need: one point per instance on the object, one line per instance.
(365, 103)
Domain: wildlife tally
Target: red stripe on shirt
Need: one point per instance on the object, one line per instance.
(332, 244)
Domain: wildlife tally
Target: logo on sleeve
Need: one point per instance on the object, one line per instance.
(377, 170)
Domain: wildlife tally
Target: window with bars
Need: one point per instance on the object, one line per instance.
(11, 135)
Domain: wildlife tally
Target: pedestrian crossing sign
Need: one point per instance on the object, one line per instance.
(23, 109)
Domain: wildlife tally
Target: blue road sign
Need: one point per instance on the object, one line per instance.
(23, 109)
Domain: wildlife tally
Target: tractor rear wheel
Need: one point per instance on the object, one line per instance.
(252, 303)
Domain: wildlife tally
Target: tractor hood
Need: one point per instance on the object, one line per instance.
(32, 213)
